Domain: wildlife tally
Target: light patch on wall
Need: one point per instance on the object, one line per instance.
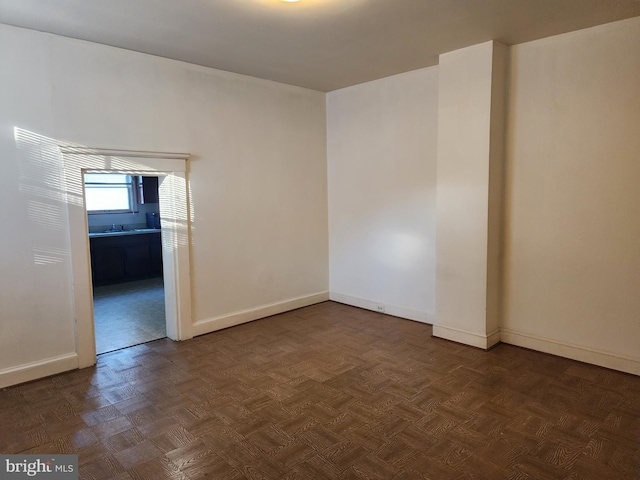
(399, 250)
(174, 215)
(42, 182)
(43, 255)
(191, 207)
(41, 166)
(45, 215)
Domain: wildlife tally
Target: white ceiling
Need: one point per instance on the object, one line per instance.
(318, 44)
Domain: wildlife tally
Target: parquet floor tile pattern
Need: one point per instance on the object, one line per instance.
(330, 392)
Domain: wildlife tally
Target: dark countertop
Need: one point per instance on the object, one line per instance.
(117, 233)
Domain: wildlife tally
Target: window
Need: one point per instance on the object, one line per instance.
(109, 193)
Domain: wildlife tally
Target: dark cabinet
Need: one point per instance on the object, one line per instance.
(137, 260)
(120, 258)
(107, 264)
(156, 257)
(149, 190)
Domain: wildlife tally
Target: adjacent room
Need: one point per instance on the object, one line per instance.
(126, 259)
(321, 238)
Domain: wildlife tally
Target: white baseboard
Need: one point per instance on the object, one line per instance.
(39, 369)
(389, 309)
(224, 321)
(611, 360)
(465, 337)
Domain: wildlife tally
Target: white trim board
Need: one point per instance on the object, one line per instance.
(593, 356)
(39, 369)
(465, 337)
(209, 325)
(389, 309)
(80, 150)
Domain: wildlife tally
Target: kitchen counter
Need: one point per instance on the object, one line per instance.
(120, 233)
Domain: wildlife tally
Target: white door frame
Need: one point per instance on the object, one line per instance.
(171, 168)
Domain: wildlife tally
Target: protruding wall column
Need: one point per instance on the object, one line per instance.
(470, 194)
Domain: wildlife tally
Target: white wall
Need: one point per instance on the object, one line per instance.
(257, 180)
(381, 148)
(572, 264)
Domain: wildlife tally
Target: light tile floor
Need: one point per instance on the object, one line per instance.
(129, 313)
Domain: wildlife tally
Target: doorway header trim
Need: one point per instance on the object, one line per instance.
(79, 150)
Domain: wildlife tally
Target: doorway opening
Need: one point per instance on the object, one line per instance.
(171, 170)
(123, 219)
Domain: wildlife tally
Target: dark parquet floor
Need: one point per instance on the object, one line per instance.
(330, 392)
